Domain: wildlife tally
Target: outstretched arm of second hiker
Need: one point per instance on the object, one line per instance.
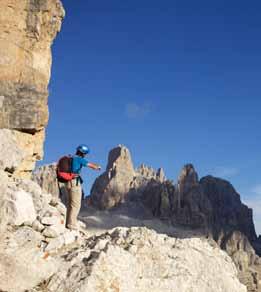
(94, 166)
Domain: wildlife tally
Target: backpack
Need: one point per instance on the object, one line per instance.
(64, 169)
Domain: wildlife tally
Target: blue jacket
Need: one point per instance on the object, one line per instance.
(77, 164)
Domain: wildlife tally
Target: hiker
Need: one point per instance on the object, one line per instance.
(69, 180)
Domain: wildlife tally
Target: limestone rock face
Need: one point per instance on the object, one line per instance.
(247, 262)
(191, 207)
(27, 30)
(19, 151)
(11, 155)
(22, 263)
(188, 179)
(138, 259)
(150, 173)
(213, 205)
(229, 213)
(113, 186)
(159, 198)
(20, 208)
(121, 182)
(45, 176)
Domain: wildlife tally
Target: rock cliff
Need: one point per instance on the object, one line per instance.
(111, 187)
(210, 204)
(27, 30)
(120, 180)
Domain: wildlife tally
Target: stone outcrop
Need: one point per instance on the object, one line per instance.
(138, 259)
(27, 30)
(150, 173)
(112, 187)
(247, 262)
(120, 181)
(45, 176)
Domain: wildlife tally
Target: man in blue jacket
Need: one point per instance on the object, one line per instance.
(73, 187)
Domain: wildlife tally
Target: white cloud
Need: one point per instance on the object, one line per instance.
(225, 172)
(134, 110)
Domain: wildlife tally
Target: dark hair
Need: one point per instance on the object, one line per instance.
(79, 153)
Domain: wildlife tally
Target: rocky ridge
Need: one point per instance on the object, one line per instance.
(37, 253)
(210, 204)
(138, 259)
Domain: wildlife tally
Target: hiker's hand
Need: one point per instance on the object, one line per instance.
(94, 166)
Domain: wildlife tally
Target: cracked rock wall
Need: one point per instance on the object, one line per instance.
(27, 30)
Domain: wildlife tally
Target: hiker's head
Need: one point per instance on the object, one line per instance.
(82, 150)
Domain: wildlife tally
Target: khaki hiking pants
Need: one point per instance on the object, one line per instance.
(72, 195)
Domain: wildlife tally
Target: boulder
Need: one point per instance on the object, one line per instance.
(55, 226)
(38, 226)
(20, 208)
(67, 238)
(53, 220)
(50, 232)
(41, 199)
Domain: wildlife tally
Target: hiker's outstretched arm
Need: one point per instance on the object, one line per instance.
(94, 166)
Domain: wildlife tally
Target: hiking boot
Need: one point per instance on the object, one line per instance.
(72, 227)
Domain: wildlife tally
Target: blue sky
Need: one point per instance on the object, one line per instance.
(175, 81)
